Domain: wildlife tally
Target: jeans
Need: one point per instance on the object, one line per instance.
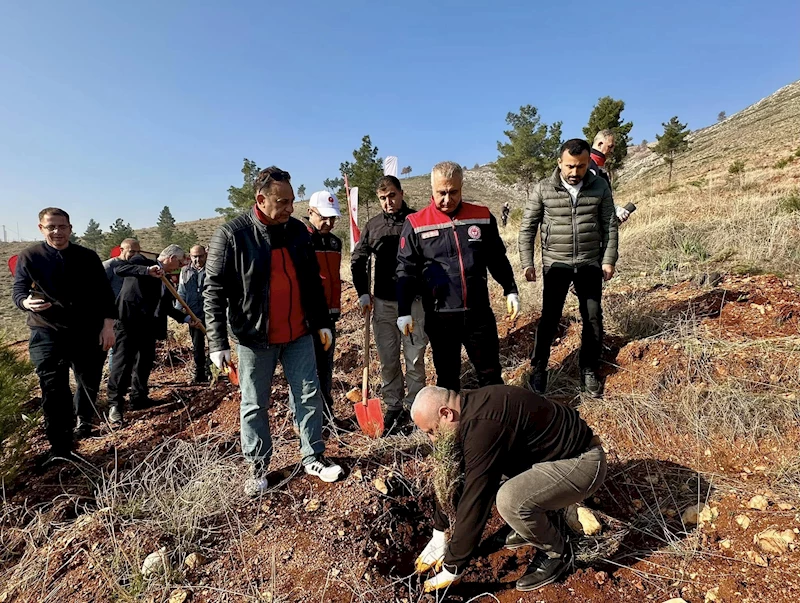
(53, 353)
(256, 369)
(387, 341)
(524, 499)
(324, 361)
(589, 288)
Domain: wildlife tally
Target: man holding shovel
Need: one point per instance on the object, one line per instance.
(262, 277)
(381, 237)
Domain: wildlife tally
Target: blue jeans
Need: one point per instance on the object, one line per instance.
(256, 369)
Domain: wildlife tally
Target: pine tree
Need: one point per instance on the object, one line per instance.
(672, 142)
(117, 232)
(185, 240)
(607, 115)
(93, 238)
(721, 116)
(532, 151)
(166, 226)
(405, 171)
(364, 172)
(241, 198)
(301, 192)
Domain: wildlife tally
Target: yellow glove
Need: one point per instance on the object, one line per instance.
(512, 303)
(441, 581)
(326, 337)
(432, 555)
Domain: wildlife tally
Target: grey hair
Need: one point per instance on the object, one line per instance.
(602, 135)
(439, 395)
(447, 170)
(170, 251)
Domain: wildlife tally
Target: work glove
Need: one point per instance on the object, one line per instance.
(405, 324)
(512, 303)
(432, 555)
(365, 303)
(530, 274)
(326, 337)
(221, 359)
(622, 213)
(441, 581)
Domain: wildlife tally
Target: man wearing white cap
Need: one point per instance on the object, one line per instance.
(323, 209)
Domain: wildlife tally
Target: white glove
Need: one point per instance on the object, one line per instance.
(512, 303)
(622, 213)
(405, 324)
(440, 581)
(221, 358)
(365, 303)
(326, 337)
(432, 555)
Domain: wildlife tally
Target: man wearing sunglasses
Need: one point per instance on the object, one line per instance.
(70, 306)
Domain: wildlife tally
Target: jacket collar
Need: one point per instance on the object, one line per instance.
(555, 179)
(399, 215)
(599, 157)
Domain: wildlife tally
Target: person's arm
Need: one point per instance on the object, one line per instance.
(485, 442)
(137, 266)
(105, 294)
(215, 301)
(359, 263)
(531, 219)
(22, 282)
(497, 260)
(181, 290)
(609, 227)
(409, 269)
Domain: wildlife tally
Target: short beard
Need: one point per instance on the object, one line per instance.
(448, 471)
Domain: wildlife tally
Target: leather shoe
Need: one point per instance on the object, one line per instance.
(515, 541)
(591, 384)
(543, 570)
(538, 380)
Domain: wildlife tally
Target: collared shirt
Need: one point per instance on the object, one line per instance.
(572, 190)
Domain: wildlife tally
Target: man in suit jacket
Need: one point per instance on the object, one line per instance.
(144, 304)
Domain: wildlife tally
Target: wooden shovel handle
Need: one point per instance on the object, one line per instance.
(186, 307)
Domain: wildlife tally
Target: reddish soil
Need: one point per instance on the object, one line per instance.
(359, 545)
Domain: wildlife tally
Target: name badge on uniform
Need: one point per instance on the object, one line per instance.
(429, 234)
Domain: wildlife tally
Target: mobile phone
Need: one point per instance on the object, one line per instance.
(630, 207)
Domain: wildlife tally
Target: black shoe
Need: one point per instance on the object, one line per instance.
(515, 541)
(591, 384)
(83, 430)
(543, 570)
(538, 380)
(115, 415)
(394, 420)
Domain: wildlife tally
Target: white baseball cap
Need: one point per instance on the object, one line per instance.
(325, 203)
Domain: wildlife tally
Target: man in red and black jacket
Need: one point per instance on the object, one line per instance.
(263, 278)
(445, 251)
(323, 209)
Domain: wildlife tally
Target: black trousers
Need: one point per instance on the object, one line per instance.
(134, 355)
(325, 370)
(588, 282)
(476, 330)
(54, 353)
(199, 351)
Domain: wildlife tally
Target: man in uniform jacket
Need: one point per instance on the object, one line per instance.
(190, 288)
(575, 211)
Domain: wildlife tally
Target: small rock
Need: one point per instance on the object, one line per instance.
(380, 485)
(357, 474)
(785, 506)
(582, 521)
(178, 596)
(312, 505)
(656, 362)
(712, 595)
(195, 560)
(725, 544)
(651, 479)
(676, 600)
(601, 577)
(743, 521)
(699, 515)
(340, 532)
(707, 452)
(156, 562)
(774, 542)
(758, 502)
(754, 557)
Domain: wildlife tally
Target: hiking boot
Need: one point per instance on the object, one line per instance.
(591, 384)
(394, 419)
(543, 570)
(538, 380)
(515, 541)
(257, 484)
(326, 470)
(114, 415)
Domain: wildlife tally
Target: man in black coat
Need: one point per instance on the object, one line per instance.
(144, 304)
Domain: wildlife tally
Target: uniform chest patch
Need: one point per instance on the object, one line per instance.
(429, 234)
(474, 233)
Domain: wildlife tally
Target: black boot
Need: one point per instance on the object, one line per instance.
(591, 384)
(543, 570)
(538, 379)
(515, 541)
(395, 419)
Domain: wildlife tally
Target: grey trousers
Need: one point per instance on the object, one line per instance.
(524, 499)
(387, 340)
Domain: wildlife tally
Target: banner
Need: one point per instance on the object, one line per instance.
(352, 210)
(390, 166)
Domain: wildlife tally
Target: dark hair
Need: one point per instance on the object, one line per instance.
(269, 175)
(388, 181)
(52, 211)
(575, 147)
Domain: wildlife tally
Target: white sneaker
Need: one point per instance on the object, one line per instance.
(324, 469)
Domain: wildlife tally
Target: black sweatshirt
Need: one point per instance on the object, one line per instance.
(381, 236)
(73, 280)
(504, 431)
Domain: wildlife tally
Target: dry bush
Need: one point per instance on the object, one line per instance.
(17, 381)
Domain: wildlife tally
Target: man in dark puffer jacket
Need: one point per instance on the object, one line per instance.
(575, 209)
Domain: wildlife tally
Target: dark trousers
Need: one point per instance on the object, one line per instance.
(589, 288)
(53, 353)
(134, 355)
(199, 349)
(476, 330)
(325, 370)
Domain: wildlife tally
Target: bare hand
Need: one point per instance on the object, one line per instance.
(530, 274)
(195, 324)
(608, 272)
(155, 271)
(35, 304)
(107, 338)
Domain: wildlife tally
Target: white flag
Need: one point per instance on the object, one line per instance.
(390, 166)
(355, 233)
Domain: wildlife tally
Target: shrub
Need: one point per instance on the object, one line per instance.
(16, 385)
(791, 202)
(779, 165)
(737, 167)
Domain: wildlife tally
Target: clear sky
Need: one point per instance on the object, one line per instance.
(115, 109)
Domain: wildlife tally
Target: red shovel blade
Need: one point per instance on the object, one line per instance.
(233, 374)
(370, 417)
(12, 264)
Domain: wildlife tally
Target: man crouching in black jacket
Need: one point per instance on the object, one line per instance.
(549, 454)
(70, 306)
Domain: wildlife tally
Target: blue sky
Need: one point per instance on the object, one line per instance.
(111, 109)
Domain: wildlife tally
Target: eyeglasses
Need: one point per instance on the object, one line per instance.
(55, 227)
(323, 218)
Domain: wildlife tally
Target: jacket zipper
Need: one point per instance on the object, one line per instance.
(460, 264)
(574, 231)
(291, 296)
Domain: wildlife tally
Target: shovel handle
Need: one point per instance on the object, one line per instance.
(186, 307)
(365, 386)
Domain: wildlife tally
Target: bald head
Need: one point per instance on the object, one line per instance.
(128, 248)
(435, 407)
(198, 255)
